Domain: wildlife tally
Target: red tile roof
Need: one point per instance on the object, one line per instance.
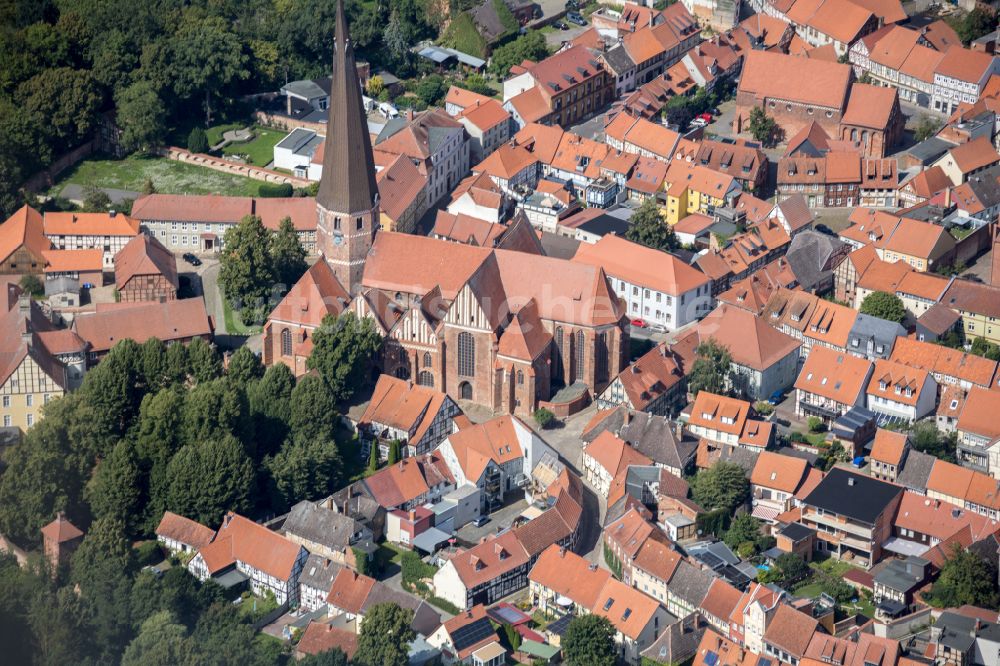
(184, 530)
(145, 256)
(242, 540)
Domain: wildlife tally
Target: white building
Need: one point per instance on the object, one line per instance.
(437, 143)
(108, 232)
(657, 287)
(961, 77)
(901, 392)
(296, 151)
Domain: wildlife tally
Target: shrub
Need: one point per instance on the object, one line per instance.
(32, 285)
(197, 141)
(275, 190)
(796, 437)
(816, 424)
(544, 417)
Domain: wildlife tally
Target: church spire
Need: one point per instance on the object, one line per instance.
(348, 183)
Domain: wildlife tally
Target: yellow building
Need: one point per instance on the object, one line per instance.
(692, 188)
(979, 306)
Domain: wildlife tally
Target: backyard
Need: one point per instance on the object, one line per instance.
(259, 151)
(167, 176)
(828, 576)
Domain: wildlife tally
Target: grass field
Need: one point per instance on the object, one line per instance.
(234, 324)
(168, 176)
(214, 133)
(260, 150)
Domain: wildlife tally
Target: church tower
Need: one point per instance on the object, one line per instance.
(347, 204)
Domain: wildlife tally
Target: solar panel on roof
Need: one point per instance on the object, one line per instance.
(711, 658)
(506, 614)
(471, 634)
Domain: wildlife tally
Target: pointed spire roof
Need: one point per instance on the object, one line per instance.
(348, 184)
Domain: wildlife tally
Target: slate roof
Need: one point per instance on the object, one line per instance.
(856, 496)
(313, 523)
(916, 470)
(319, 572)
(690, 583)
(656, 438)
(809, 256)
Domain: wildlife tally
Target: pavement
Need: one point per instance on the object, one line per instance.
(556, 38)
(76, 193)
(205, 282)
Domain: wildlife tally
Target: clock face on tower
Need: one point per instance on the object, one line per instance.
(338, 239)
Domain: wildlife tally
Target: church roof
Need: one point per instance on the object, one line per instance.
(348, 185)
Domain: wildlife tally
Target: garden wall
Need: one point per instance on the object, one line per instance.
(233, 168)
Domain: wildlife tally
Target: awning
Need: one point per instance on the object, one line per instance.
(430, 539)
(904, 547)
(762, 512)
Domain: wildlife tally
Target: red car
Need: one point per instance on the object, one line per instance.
(638, 323)
(707, 117)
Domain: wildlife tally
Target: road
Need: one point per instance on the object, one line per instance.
(205, 282)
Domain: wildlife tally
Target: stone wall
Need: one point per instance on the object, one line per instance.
(233, 168)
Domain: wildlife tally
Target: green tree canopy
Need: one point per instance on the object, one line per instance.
(142, 116)
(884, 305)
(287, 253)
(304, 469)
(116, 490)
(530, 46)
(966, 578)
(590, 641)
(313, 409)
(342, 348)
(647, 227)
(724, 485)
(246, 272)
(161, 642)
(711, 368)
(385, 636)
(763, 127)
(208, 478)
(244, 367)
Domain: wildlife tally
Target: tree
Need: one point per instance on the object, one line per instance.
(303, 469)
(791, 568)
(544, 417)
(142, 116)
(331, 657)
(973, 25)
(926, 438)
(530, 46)
(162, 641)
(986, 349)
(208, 478)
(270, 401)
(744, 529)
(711, 368)
(197, 141)
(246, 273)
(431, 89)
(966, 578)
(373, 457)
(679, 111)
(394, 452)
(32, 285)
(148, 187)
(385, 636)
(244, 367)
(884, 305)
(762, 127)
(648, 228)
(313, 409)
(116, 491)
(63, 102)
(95, 200)
(590, 641)
(926, 127)
(287, 253)
(342, 347)
(375, 85)
(216, 409)
(724, 485)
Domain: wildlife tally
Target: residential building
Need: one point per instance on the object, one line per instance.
(693, 188)
(978, 432)
(563, 89)
(901, 393)
(145, 270)
(774, 482)
(22, 242)
(667, 444)
(653, 383)
(180, 320)
(962, 162)
(244, 549)
(109, 232)
(402, 195)
(888, 454)
(605, 458)
(830, 384)
(416, 416)
(198, 223)
(489, 126)
(852, 515)
(469, 638)
(352, 595)
(410, 483)
(788, 634)
(325, 532)
(725, 420)
(496, 456)
(657, 287)
(960, 77)
(979, 306)
(950, 367)
(964, 488)
(180, 535)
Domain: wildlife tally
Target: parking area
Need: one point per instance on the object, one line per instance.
(500, 519)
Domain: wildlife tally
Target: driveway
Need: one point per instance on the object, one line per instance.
(556, 38)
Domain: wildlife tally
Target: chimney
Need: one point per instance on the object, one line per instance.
(850, 480)
(409, 115)
(413, 514)
(112, 213)
(679, 430)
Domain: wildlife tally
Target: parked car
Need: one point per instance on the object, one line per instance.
(699, 122)
(776, 398)
(560, 25)
(575, 17)
(707, 117)
(481, 520)
(639, 323)
(191, 259)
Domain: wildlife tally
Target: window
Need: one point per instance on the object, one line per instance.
(425, 378)
(336, 224)
(427, 359)
(359, 223)
(6, 420)
(466, 354)
(29, 400)
(286, 342)
(580, 341)
(6, 401)
(31, 420)
(602, 357)
(520, 378)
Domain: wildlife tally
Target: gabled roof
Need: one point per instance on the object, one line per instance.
(750, 340)
(184, 530)
(834, 375)
(854, 495)
(23, 229)
(399, 185)
(495, 440)
(870, 106)
(945, 361)
(791, 630)
(242, 540)
(979, 415)
(171, 320)
(641, 265)
(89, 224)
(897, 376)
(803, 80)
(614, 454)
(490, 559)
(145, 256)
(778, 472)
(401, 404)
(407, 480)
(75, 261)
(889, 447)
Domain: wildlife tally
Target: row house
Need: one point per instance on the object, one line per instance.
(637, 618)
(949, 367)
(741, 159)
(488, 124)
(198, 223)
(832, 22)
(774, 480)
(830, 384)
(641, 136)
(965, 488)
(513, 168)
(655, 48)
(960, 78)
(814, 321)
(900, 58)
(693, 188)
(901, 393)
(418, 417)
(838, 180)
(966, 160)
(109, 232)
(921, 246)
(727, 421)
(888, 455)
(562, 90)
(657, 287)
(978, 432)
(653, 383)
(605, 458)
(241, 548)
(979, 307)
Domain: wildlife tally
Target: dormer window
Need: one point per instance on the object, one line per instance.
(881, 386)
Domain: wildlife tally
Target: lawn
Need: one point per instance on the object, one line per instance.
(214, 133)
(259, 151)
(168, 176)
(234, 324)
